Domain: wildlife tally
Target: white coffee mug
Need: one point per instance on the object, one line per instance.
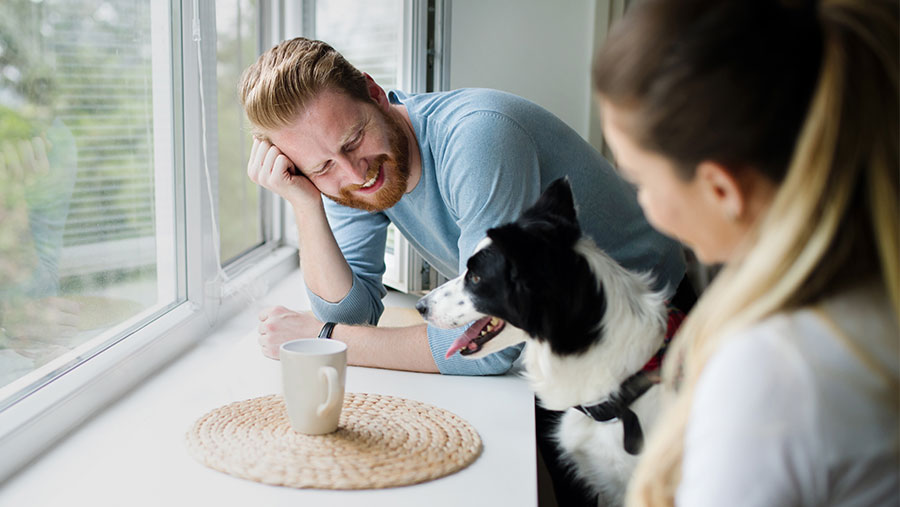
(313, 372)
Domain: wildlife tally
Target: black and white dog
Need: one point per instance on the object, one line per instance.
(590, 328)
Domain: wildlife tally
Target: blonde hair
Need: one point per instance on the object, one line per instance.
(286, 78)
(834, 218)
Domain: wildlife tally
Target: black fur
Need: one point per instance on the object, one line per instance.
(531, 256)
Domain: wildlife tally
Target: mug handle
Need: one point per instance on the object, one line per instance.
(334, 396)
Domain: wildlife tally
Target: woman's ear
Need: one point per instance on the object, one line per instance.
(377, 92)
(722, 189)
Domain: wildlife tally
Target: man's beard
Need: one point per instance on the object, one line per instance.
(395, 180)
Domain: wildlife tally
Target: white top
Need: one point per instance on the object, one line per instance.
(787, 414)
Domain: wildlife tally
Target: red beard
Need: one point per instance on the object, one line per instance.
(396, 173)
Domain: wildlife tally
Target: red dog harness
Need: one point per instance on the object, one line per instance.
(675, 318)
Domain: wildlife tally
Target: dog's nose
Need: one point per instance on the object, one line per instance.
(422, 307)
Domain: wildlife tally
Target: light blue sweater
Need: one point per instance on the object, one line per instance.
(486, 157)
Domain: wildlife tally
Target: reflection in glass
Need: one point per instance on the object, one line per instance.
(77, 220)
(368, 34)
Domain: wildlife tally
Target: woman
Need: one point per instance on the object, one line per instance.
(764, 135)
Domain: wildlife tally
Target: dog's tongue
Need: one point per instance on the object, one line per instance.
(470, 334)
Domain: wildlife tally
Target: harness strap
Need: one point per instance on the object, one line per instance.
(617, 406)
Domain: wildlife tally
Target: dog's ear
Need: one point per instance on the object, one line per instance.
(557, 200)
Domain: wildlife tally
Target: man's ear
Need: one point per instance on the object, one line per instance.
(722, 189)
(376, 92)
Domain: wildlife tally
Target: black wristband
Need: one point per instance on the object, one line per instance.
(326, 331)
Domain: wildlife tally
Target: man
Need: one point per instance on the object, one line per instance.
(443, 167)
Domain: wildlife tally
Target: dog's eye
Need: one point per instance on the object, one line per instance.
(474, 278)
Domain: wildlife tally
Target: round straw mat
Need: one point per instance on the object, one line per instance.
(381, 442)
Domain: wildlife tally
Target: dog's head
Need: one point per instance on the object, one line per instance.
(525, 279)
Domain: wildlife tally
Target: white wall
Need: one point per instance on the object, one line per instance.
(538, 49)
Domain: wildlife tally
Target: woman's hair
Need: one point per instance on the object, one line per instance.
(804, 92)
(287, 77)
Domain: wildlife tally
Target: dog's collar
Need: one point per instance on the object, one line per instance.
(616, 407)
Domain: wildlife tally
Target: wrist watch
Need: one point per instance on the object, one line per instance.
(326, 331)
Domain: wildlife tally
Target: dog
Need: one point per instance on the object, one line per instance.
(589, 326)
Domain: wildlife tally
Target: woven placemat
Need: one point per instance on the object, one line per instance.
(381, 442)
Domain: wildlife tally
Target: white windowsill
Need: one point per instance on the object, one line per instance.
(133, 452)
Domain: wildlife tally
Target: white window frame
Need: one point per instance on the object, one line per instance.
(405, 269)
(156, 337)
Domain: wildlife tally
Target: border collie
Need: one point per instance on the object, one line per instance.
(593, 331)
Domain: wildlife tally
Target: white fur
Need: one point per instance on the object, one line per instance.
(634, 327)
(444, 309)
(446, 312)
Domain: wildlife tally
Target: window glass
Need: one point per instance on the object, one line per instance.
(368, 33)
(82, 250)
(237, 43)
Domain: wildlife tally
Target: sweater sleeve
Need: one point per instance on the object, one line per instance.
(497, 363)
(361, 237)
(490, 174)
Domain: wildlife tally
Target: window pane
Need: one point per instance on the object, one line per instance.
(367, 32)
(81, 244)
(237, 26)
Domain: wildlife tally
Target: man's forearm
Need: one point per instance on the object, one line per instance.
(324, 268)
(395, 348)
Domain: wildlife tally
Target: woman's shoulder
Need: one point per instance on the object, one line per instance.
(762, 366)
(812, 394)
(851, 333)
(827, 370)
(786, 408)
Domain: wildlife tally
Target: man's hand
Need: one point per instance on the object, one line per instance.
(51, 320)
(394, 348)
(278, 325)
(325, 270)
(271, 169)
(41, 329)
(25, 160)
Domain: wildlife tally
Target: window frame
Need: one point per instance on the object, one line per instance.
(204, 298)
(141, 346)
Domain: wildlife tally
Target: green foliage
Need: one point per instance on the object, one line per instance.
(14, 126)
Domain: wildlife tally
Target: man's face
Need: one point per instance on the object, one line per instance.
(352, 151)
